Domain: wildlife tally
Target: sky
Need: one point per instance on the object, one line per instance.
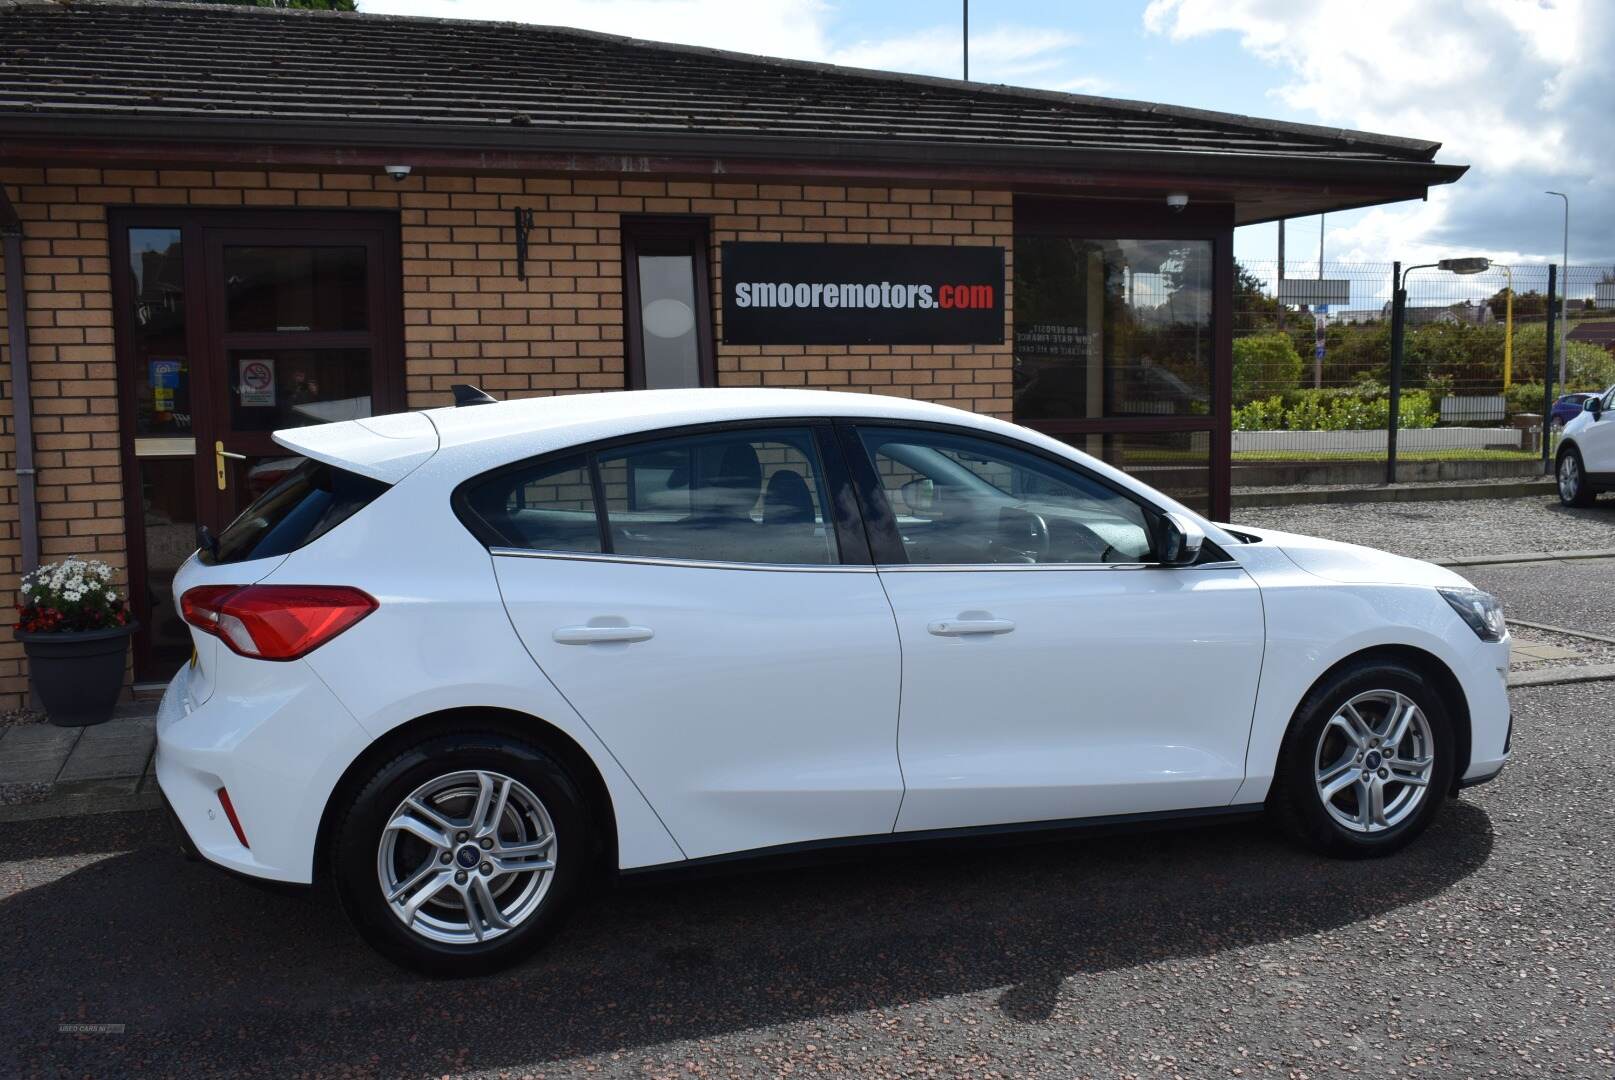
(1519, 90)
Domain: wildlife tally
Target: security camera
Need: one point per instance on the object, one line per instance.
(398, 172)
(1176, 201)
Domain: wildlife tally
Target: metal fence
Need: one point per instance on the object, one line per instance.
(1312, 374)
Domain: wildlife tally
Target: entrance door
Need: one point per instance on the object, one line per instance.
(232, 326)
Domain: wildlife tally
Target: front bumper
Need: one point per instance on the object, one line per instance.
(278, 749)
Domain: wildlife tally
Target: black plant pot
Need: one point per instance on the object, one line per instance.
(78, 675)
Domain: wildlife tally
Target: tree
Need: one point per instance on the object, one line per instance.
(1527, 305)
(1254, 310)
(1264, 365)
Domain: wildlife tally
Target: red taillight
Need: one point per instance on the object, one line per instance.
(274, 622)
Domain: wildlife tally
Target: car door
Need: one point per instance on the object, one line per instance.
(1597, 440)
(1049, 671)
(699, 602)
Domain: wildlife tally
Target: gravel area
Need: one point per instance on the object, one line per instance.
(1448, 529)
(24, 794)
(1484, 950)
(15, 717)
(1589, 651)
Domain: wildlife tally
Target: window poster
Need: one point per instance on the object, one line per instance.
(256, 384)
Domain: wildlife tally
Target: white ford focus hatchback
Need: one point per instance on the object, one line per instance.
(458, 660)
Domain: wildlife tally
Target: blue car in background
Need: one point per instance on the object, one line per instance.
(1567, 408)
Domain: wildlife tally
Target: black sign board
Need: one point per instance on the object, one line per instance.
(862, 294)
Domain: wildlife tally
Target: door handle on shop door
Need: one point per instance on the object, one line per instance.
(967, 627)
(601, 635)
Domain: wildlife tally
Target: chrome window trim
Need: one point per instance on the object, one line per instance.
(696, 564)
(955, 568)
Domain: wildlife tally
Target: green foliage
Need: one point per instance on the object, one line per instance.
(1254, 310)
(1365, 407)
(1265, 364)
(1587, 367)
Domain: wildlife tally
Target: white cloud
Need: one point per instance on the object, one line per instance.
(1518, 89)
(791, 28)
(796, 29)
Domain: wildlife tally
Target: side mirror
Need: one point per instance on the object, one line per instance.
(1594, 406)
(919, 495)
(1180, 540)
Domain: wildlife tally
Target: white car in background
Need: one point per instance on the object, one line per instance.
(1586, 456)
(460, 659)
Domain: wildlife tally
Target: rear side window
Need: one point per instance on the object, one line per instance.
(543, 507)
(309, 502)
(751, 496)
(748, 496)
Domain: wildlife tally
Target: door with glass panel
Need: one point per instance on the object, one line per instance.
(1051, 669)
(230, 327)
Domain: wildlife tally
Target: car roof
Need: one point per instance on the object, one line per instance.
(388, 448)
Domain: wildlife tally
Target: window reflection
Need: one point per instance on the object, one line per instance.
(295, 288)
(1112, 328)
(161, 376)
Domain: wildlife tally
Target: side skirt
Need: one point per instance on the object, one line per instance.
(845, 848)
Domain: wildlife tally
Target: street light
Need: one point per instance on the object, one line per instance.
(1479, 265)
(1399, 299)
(1564, 288)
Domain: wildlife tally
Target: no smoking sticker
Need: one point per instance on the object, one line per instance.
(257, 382)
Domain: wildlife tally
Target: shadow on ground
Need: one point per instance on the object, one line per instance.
(211, 974)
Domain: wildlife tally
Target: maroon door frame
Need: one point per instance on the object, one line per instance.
(666, 234)
(1091, 219)
(201, 230)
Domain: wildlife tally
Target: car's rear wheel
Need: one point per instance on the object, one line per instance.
(1366, 763)
(1573, 487)
(461, 855)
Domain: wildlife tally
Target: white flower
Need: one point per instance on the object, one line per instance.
(112, 595)
(25, 588)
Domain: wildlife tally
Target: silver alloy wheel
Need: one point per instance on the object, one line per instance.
(467, 857)
(1374, 761)
(1569, 477)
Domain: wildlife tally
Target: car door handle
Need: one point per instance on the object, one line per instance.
(965, 627)
(599, 635)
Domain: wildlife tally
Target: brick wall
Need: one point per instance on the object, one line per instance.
(467, 317)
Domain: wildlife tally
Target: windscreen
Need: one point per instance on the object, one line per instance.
(313, 499)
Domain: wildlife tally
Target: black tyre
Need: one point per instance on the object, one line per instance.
(1366, 763)
(463, 854)
(1574, 490)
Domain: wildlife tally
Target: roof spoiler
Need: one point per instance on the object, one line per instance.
(466, 394)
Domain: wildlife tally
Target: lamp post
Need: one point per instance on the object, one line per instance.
(1399, 299)
(1564, 288)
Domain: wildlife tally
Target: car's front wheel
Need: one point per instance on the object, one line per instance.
(462, 854)
(1573, 487)
(1367, 760)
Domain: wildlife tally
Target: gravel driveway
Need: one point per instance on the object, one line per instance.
(1448, 529)
(1484, 950)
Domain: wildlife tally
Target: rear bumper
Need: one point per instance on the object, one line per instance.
(278, 753)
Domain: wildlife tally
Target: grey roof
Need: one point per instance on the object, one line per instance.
(206, 73)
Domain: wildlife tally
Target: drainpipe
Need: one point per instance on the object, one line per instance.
(22, 405)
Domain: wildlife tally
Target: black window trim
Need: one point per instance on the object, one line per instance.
(881, 520)
(839, 498)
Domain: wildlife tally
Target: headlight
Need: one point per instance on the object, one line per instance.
(1481, 610)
